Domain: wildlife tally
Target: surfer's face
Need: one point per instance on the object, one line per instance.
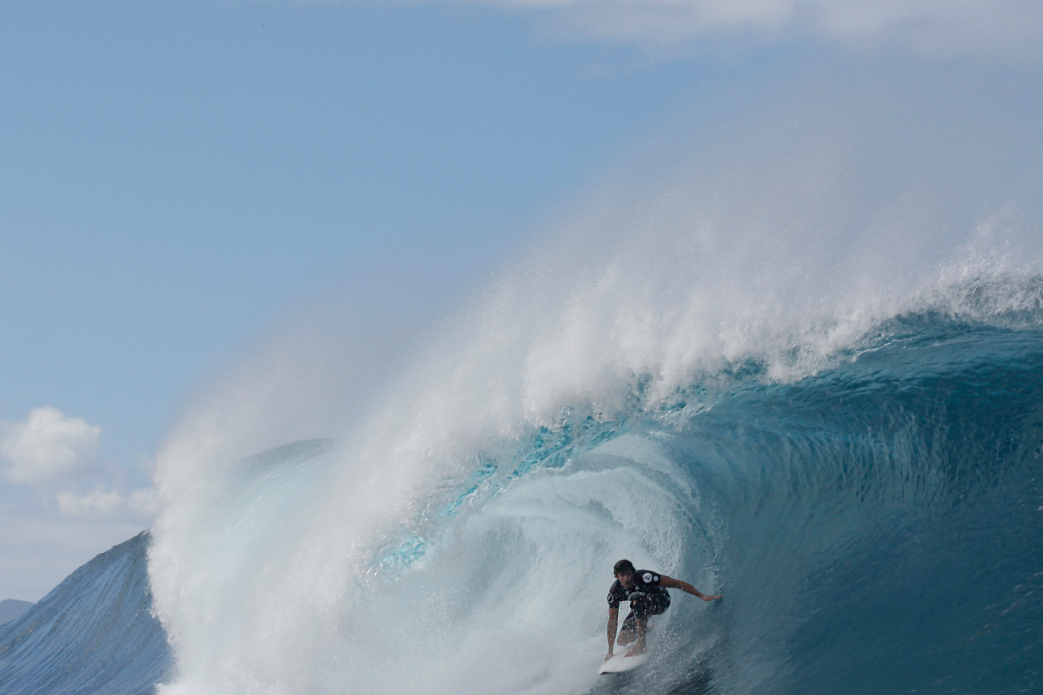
(625, 579)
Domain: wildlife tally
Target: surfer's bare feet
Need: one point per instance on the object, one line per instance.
(609, 656)
(636, 651)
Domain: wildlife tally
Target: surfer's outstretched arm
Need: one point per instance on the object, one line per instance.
(670, 583)
(613, 616)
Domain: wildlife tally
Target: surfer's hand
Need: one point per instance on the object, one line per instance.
(710, 598)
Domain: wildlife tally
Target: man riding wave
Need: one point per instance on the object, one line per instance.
(647, 592)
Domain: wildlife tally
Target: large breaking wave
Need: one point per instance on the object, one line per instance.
(874, 527)
(807, 379)
(860, 484)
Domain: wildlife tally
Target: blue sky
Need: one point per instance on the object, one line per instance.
(179, 179)
(176, 172)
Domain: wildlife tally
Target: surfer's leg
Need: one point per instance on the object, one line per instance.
(642, 630)
(641, 609)
(629, 629)
(638, 637)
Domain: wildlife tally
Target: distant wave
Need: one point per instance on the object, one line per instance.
(94, 634)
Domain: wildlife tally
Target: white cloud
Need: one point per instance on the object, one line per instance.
(940, 27)
(46, 444)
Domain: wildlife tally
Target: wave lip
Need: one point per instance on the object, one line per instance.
(94, 634)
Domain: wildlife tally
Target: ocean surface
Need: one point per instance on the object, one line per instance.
(875, 526)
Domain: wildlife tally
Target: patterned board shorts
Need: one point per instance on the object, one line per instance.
(644, 605)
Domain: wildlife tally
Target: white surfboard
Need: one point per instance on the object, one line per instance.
(620, 663)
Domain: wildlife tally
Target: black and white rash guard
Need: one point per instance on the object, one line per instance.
(646, 584)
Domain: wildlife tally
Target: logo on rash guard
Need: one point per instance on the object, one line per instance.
(647, 577)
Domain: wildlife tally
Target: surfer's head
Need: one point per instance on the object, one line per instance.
(624, 571)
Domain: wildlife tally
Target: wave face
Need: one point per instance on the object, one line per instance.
(880, 522)
(93, 634)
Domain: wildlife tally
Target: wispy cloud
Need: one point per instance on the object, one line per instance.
(939, 27)
(53, 454)
(103, 502)
(45, 445)
(98, 501)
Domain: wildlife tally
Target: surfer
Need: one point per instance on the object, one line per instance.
(647, 592)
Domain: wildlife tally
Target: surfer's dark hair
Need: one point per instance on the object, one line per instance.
(623, 567)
